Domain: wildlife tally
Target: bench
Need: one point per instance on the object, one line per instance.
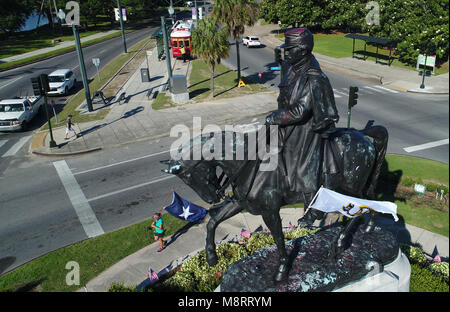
(372, 40)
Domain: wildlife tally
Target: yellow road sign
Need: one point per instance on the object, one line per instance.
(241, 83)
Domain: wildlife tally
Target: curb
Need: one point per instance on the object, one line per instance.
(36, 152)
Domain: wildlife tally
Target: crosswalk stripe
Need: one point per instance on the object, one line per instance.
(2, 142)
(425, 146)
(370, 88)
(386, 89)
(16, 147)
(79, 202)
(339, 92)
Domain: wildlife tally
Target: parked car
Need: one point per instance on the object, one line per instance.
(15, 114)
(61, 81)
(251, 41)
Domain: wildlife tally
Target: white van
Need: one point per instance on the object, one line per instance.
(61, 81)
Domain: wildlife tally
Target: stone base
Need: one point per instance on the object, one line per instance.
(180, 97)
(372, 262)
(394, 278)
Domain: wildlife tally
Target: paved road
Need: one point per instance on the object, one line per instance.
(412, 119)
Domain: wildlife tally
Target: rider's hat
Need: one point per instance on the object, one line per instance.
(298, 37)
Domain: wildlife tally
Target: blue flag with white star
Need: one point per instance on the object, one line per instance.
(185, 210)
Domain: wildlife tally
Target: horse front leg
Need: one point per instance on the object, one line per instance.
(223, 212)
(273, 222)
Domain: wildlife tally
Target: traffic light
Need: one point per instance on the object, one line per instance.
(278, 55)
(37, 87)
(353, 97)
(44, 83)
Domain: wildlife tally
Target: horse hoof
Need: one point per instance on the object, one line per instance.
(282, 273)
(281, 276)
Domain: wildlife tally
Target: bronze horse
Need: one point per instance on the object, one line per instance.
(359, 153)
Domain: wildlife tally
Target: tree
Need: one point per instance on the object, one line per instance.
(236, 14)
(210, 43)
(14, 15)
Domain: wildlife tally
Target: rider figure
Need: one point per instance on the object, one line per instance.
(306, 115)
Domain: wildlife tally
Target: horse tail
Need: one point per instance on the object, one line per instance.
(380, 137)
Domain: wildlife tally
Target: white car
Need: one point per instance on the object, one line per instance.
(61, 81)
(251, 41)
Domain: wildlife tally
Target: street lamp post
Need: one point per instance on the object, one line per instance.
(166, 47)
(121, 27)
(87, 92)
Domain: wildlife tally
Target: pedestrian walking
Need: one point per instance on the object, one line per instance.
(183, 52)
(158, 225)
(69, 128)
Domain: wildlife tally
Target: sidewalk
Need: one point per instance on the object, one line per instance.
(394, 77)
(132, 270)
(60, 45)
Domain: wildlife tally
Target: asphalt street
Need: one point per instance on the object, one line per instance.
(125, 185)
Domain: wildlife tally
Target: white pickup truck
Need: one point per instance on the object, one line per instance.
(16, 113)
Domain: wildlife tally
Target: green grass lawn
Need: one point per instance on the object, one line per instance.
(225, 83)
(336, 45)
(48, 273)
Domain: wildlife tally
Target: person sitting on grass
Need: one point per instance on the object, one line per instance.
(159, 230)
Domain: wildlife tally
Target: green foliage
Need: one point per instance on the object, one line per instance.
(414, 254)
(120, 287)
(236, 14)
(417, 26)
(210, 43)
(422, 280)
(430, 186)
(196, 275)
(440, 269)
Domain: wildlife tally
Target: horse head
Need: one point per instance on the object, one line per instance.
(199, 175)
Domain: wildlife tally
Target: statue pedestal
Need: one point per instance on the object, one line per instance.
(373, 262)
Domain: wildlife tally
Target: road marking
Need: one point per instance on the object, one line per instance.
(82, 208)
(386, 89)
(131, 188)
(121, 162)
(2, 142)
(340, 92)
(370, 88)
(10, 82)
(425, 146)
(16, 147)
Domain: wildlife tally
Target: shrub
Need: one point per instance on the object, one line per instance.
(414, 254)
(440, 269)
(257, 241)
(120, 287)
(422, 280)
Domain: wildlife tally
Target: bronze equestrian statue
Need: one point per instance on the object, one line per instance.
(312, 153)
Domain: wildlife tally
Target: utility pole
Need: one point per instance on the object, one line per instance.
(196, 14)
(121, 27)
(166, 47)
(87, 93)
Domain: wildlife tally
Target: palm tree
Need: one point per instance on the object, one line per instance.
(236, 14)
(210, 43)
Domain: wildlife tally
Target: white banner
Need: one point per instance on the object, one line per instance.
(329, 201)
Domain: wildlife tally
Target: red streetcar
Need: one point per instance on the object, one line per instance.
(181, 37)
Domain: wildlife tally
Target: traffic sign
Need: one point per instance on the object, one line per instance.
(96, 61)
